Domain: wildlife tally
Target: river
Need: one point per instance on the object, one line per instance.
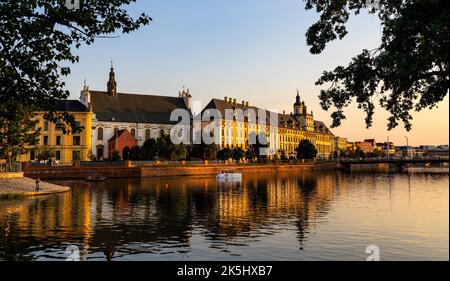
(302, 216)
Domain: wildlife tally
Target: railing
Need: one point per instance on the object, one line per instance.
(101, 163)
(10, 167)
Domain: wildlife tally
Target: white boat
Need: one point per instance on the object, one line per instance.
(229, 175)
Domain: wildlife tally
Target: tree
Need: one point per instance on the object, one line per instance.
(224, 154)
(149, 150)
(238, 154)
(115, 156)
(37, 40)
(18, 129)
(408, 71)
(45, 153)
(126, 153)
(135, 153)
(257, 149)
(306, 150)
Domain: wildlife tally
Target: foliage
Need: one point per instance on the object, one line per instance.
(238, 154)
(204, 151)
(408, 71)
(225, 154)
(115, 156)
(45, 153)
(306, 150)
(149, 150)
(17, 130)
(37, 40)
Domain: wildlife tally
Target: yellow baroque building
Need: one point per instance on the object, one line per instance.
(283, 131)
(64, 147)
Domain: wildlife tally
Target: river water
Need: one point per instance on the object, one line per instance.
(302, 216)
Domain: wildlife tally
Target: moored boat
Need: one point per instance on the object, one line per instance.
(229, 175)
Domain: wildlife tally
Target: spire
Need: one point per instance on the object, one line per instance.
(112, 84)
(297, 98)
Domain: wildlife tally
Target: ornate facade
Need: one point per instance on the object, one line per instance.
(144, 116)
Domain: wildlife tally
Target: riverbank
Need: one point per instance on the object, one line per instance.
(169, 170)
(11, 188)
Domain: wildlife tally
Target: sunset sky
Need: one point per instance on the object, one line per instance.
(252, 50)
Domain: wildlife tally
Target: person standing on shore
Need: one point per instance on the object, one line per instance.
(37, 189)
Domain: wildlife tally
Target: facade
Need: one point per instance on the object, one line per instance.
(144, 116)
(300, 125)
(66, 147)
(365, 146)
(237, 128)
(340, 145)
(283, 131)
(120, 140)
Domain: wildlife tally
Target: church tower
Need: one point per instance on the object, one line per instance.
(298, 105)
(112, 84)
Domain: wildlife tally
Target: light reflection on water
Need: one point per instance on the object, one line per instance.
(308, 216)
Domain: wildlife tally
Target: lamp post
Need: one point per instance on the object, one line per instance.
(10, 162)
(407, 147)
(387, 148)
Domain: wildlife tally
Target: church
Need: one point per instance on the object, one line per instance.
(143, 116)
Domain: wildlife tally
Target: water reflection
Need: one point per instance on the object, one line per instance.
(292, 216)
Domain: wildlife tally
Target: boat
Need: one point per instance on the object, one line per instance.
(95, 178)
(229, 175)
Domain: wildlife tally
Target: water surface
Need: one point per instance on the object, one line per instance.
(306, 216)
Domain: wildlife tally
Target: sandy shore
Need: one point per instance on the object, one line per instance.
(26, 187)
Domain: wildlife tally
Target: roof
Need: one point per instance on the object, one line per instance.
(119, 134)
(222, 105)
(70, 106)
(135, 108)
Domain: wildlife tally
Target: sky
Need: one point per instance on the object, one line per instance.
(253, 50)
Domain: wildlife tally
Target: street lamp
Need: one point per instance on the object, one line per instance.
(387, 148)
(407, 146)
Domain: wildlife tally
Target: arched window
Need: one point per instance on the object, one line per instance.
(100, 134)
(133, 133)
(147, 134)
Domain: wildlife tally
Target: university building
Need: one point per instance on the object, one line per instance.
(144, 116)
(65, 147)
(283, 131)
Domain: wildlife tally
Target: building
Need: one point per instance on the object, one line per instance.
(283, 131)
(120, 140)
(65, 147)
(365, 146)
(144, 116)
(242, 123)
(340, 145)
(300, 125)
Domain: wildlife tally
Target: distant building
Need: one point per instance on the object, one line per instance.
(365, 146)
(144, 116)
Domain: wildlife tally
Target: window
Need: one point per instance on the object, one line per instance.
(45, 140)
(100, 134)
(46, 125)
(58, 155)
(32, 154)
(133, 133)
(76, 140)
(59, 126)
(76, 155)
(58, 140)
(147, 134)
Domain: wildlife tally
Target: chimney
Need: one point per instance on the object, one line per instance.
(246, 104)
(226, 99)
(243, 103)
(234, 101)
